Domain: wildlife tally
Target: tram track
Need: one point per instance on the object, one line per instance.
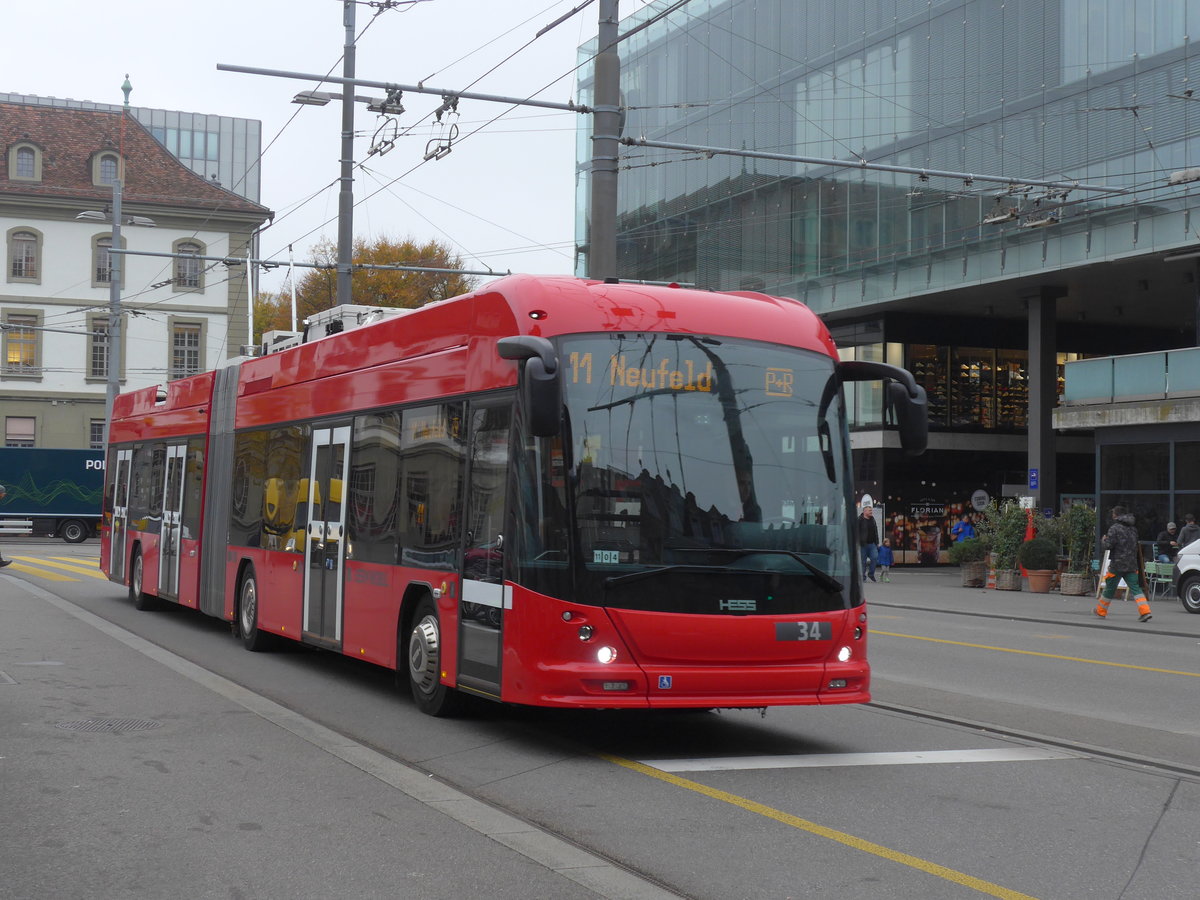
(1104, 625)
(1085, 750)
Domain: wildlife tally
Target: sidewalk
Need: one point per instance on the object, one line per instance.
(940, 589)
(127, 771)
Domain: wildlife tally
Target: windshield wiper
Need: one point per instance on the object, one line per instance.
(820, 574)
(823, 578)
(614, 580)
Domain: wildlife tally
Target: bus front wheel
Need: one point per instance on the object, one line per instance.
(424, 658)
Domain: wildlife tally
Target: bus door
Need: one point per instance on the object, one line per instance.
(172, 506)
(481, 608)
(120, 517)
(324, 550)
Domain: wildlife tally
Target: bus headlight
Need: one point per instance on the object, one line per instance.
(606, 655)
(844, 654)
(585, 632)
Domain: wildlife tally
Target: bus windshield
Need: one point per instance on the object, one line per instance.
(710, 475)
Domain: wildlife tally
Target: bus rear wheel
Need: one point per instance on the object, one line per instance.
(141, 600)
(253, 638)
(424, 658)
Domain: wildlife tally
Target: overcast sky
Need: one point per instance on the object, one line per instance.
(503, 198)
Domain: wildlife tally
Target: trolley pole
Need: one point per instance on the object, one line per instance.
(345, 258)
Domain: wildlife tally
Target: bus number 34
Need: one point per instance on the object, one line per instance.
(803, 631)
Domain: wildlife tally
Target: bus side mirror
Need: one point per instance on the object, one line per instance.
(541, 389)
(912, 416)
(905, 397)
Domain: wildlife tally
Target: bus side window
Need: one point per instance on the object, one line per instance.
(484, 560)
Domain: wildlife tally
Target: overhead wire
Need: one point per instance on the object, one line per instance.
(408, 130)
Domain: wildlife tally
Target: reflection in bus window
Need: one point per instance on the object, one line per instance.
(433, 455)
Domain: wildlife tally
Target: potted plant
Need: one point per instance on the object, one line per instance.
(970, 556)
(1039, 556)
(1080, 537)
(1005, 530)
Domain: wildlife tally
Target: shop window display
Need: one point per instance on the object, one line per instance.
(972, 389)
(927, 362)
(1012, 389)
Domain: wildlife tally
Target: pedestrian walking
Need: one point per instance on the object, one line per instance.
(1121, 541)
(1189, 532)
(868, 541)
(963, 529)
(3, 562)
(885, 560)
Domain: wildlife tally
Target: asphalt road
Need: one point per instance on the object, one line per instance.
(1014, 749)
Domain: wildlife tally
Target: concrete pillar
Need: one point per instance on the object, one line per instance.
(1042, 378)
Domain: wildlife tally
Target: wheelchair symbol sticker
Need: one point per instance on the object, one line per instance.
(664, 682)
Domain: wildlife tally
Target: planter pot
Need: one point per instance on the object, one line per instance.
(1076, 584)
(1008, 579)
(1040, 580)
(974, 574)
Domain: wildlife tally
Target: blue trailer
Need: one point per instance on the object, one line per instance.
(51, 492)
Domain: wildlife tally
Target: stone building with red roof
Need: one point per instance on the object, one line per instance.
(179, 315)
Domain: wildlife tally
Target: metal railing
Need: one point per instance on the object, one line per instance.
(1161, 375)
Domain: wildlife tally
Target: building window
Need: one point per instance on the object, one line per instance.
(24, 255)
(102, 261)
(98, 348)
(106, 169)
(21, 340)
(189, 272)
(186, 349)
(24, 163)
(96, 434)
(19, 431)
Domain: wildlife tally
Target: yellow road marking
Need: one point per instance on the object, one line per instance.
(75, 569)
(1095, 662)
(80, 560)
(40, 573)
(857, 843)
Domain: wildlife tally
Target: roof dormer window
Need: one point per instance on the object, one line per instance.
(24, 162)
(106, 168)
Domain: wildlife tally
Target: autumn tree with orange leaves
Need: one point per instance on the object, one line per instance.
(316, 289)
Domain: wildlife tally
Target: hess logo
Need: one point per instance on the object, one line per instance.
(737, 605)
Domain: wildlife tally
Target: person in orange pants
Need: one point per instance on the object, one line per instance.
(1122, 544)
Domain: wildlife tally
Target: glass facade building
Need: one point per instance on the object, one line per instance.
(960, 279)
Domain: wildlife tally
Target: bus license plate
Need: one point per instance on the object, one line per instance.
(803, 631)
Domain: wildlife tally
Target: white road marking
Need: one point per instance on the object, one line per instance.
(826, 760)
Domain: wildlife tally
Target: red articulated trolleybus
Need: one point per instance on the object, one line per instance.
(552, 491)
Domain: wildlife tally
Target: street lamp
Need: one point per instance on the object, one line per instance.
(385, 106)
(114, 296)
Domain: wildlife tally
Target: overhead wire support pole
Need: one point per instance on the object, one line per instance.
(606, 143)
(346, 193)
(876, 167)
(114, 308)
